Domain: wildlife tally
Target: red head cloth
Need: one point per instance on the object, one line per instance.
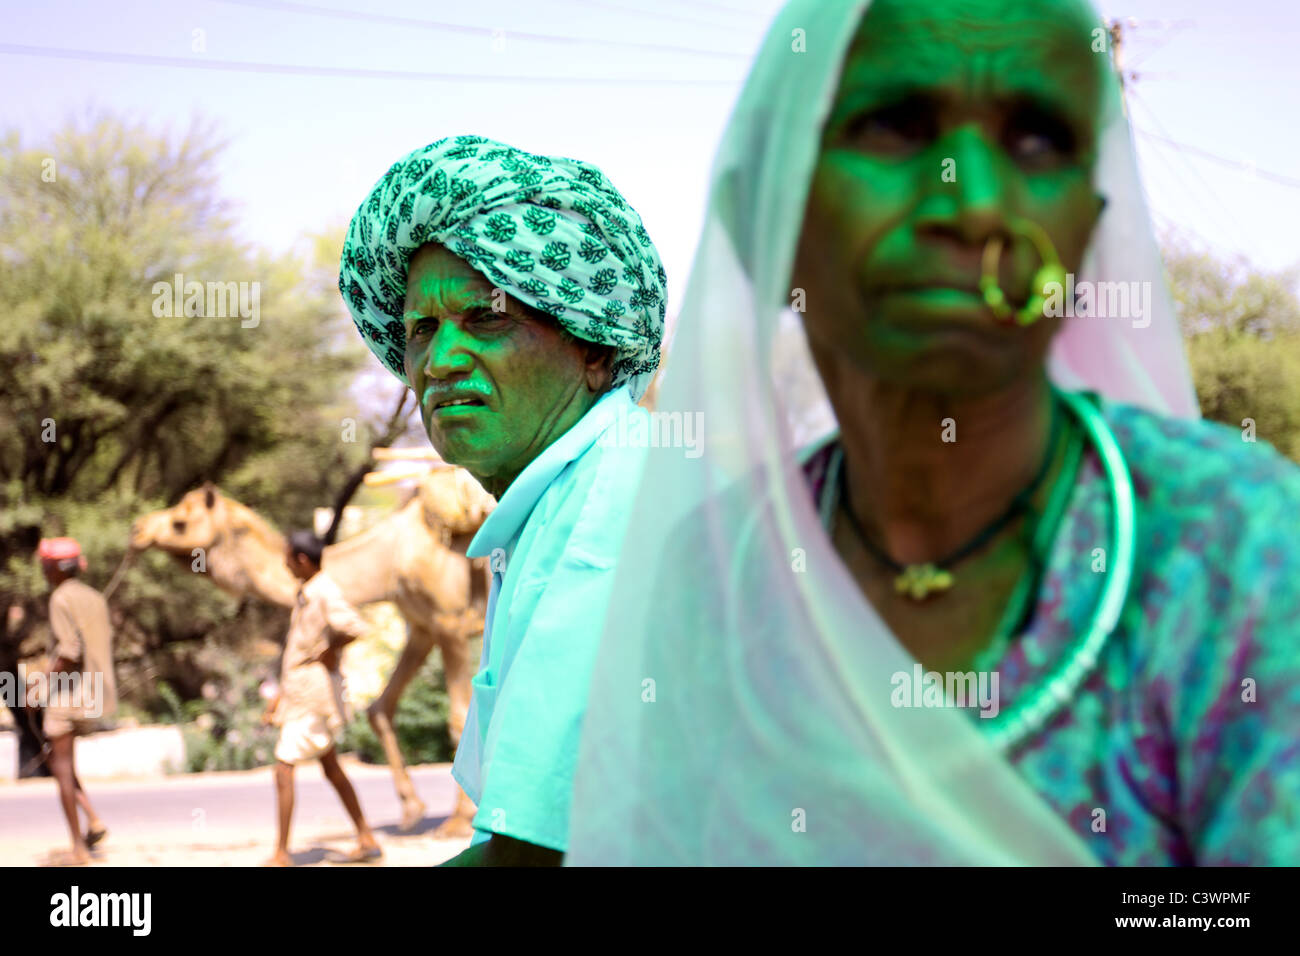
(63, 550)
(58, 549)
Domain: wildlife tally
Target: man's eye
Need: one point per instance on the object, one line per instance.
(422, 328)
(487, 318)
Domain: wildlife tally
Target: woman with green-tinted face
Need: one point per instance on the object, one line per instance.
(1012, 601)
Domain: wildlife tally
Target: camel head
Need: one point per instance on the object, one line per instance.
(195, 522)
(452, 498)
(243, 554)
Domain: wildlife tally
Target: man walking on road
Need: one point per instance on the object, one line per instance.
(79, 682)
(309, 707)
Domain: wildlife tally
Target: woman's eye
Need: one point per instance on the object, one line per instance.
(422, 328)
(1039, 138)
(895, 129)
(1034, 146)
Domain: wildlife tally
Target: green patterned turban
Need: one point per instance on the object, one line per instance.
(551, 232)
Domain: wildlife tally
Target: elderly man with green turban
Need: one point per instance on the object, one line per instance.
(521, 299)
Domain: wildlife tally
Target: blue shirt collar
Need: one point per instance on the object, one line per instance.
(519, 500)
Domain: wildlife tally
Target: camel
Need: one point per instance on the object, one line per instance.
(415, 558)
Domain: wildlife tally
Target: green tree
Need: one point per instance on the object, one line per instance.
(112, 404)
(1242, 330)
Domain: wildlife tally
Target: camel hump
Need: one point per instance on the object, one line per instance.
(451, 498)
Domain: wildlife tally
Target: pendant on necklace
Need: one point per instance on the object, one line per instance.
(919, 581)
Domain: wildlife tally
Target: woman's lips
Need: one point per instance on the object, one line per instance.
(938, 298)
(938, 292)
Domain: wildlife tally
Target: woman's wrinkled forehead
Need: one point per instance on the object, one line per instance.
(982, 49)
(979, 23)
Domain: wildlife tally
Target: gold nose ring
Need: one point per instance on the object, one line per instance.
(1049, 272)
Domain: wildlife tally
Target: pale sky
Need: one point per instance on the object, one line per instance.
(652, 92)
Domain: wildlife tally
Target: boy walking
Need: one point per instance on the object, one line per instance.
(309, 707)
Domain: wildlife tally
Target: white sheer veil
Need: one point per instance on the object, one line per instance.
(740, 710)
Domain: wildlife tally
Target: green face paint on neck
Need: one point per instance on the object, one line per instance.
(495, 387)
(951, 117)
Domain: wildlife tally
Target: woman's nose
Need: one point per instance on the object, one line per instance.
(981, 185)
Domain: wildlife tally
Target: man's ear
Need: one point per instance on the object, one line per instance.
(599, 360)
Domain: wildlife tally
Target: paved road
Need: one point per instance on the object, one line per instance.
(227, 819)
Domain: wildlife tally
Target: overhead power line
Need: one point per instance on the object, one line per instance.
(1251, 168)
(1140, 23)
(1212, 202)
(657, 14)
(240, 66)
(290, 6)
(705, 5)
(1160, 44)
(1228, 237)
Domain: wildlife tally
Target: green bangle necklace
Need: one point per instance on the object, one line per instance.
(919, 581)
(1029, 714)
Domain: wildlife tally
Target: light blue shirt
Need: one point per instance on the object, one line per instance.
(552, 543)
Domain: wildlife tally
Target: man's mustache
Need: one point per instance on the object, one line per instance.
(437, 390)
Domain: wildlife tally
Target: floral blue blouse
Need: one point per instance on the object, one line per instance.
(1183, 746)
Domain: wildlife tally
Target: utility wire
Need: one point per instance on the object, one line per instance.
(1290, 181)
(654, 14)
(1226, 231)
(1177, 25)
(1161, 43)
(1229, 240)
(1165, 222)
(721, 8)
(1138, 23)
(241, 66)
(1221, 25)
(291, 7)
(1215, 202)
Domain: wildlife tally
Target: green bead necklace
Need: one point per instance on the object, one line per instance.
(1029, 714)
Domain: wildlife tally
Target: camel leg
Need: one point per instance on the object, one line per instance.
(418, 644)
(458, 671)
